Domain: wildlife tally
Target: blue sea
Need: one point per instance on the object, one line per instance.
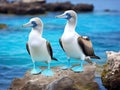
(103, 28)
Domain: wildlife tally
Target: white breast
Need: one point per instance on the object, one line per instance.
(38, 48)
(71, 47)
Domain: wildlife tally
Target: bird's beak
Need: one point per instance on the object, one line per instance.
(61, 16)
(29, 24)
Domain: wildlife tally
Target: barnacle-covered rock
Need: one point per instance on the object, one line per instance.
(111, 73)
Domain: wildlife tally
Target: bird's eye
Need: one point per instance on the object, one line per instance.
(34, 23)
(68, 16)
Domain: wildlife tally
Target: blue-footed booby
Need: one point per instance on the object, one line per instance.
(73, 44)
(38, 47)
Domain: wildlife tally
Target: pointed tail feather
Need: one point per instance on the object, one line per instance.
(54, 59)
(96, 57)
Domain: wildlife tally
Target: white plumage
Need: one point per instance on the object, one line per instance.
(74, 45)
(38, 47)
(70, 44)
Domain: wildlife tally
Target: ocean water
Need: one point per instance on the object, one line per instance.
(101, 27)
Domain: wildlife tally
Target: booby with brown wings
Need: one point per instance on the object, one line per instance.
(38, 47)
(73, 44)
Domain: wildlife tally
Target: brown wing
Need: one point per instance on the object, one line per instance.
(49, 48)
(27, 47)
(60, 41)
(86, 46)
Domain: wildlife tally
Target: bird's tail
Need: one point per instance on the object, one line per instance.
(54, 59)
(96, 57)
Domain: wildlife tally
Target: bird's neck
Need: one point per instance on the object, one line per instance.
(37, 30)
(71, 25)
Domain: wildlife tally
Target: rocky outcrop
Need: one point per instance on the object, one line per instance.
(2, 26)
(84, 7)
(59, 6)
(68, 6)
(3, 1)
(29, 1)
(20, 8)
(62, 80)
(111, 73)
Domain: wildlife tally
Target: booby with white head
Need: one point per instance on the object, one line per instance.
(73, 44)
(38, 47)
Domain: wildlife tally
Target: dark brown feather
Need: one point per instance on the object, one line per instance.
(86, 46)
(49, 48)
(60, 41)
(27, 47)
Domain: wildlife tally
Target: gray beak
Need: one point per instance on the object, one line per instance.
(61, 16)
(29, 24)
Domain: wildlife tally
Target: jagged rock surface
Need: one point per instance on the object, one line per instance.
(111, 73)
(62, 80)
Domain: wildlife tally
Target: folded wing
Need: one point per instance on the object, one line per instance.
(86, 46)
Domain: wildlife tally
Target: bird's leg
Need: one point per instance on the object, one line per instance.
(68, 66)
(48, 71)
(35, 70)
(87, 59)
(79, 68)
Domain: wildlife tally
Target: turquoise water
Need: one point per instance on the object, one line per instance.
(102, 28)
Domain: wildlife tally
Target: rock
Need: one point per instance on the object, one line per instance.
(3, 1)
(59, 6)
(2, 26)
(84, 7)
(21, 8)
(29, 1)
(107, 10)
(64, 83)
(111, 73)
(62, 80)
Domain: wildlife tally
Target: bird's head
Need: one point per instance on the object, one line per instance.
(34, 23)
(69, 14)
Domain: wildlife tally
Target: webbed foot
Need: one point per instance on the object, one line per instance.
(66, 67)
(48, 72)
(78, 69)
(36, 70)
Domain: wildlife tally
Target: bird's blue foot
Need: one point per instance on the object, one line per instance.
(66, 67)
(78, 69)
(48, 72)
(36, 70)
